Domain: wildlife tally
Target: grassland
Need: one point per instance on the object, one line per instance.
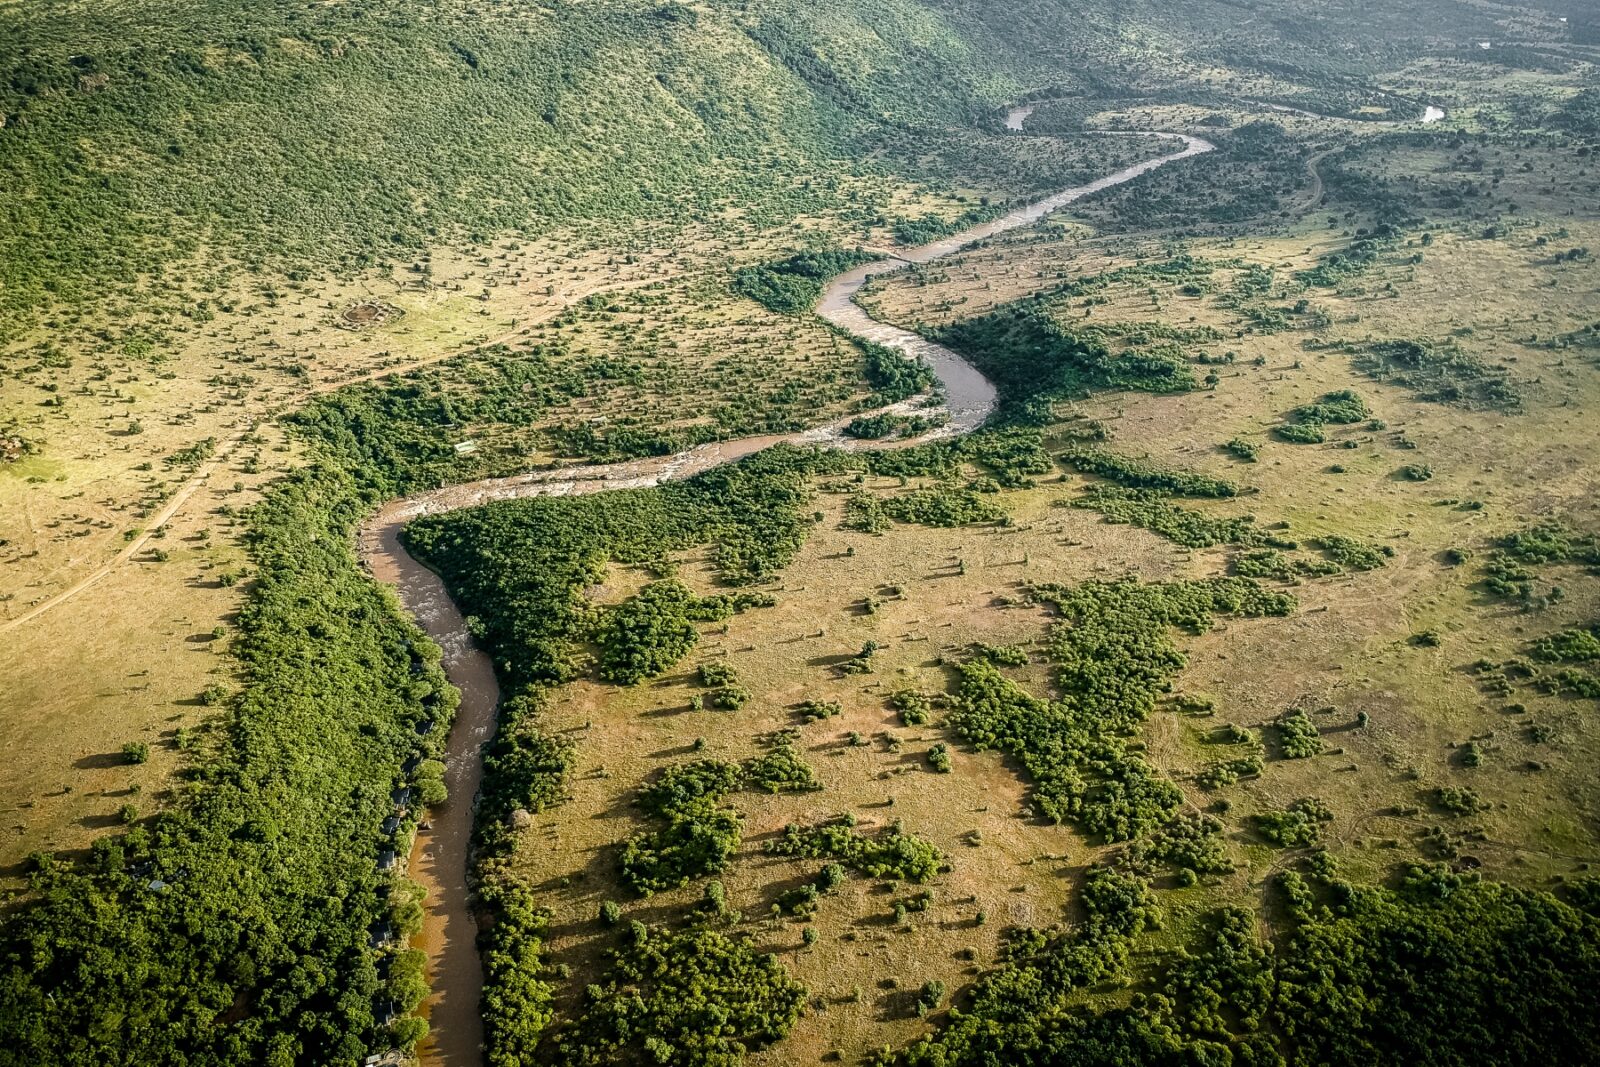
(533, 294)
(1381, 658)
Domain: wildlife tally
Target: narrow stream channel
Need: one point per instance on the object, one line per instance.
(440, 856)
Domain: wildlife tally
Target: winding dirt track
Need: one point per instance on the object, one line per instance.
(441, 853)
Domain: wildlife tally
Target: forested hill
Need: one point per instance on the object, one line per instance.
(293, 138)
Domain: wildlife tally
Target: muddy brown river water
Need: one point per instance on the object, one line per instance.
(440, 856)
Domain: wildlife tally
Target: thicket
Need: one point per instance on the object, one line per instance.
(1239, 448)
(1458, 800)
(1250, 175)
(1113, 655)
(1443, 969)
(1438, 372)
(916, 709)
(913, 230)
(792, 286)
(519, 566)
(1192, 841)
(700, 835)
(1152, 509)
(1578, 645)
(816, 710)
(893, 376)
(1351, 554)
(878, 427)
(1009, 455)
(1033, 358)
(1508, 572)
(1354, 259)
(506, 401)
(1297, 826)
(945, 505)
(1141, 492)
(893, 853)
(1301, 433)
(650, 632)
(1271, 563)
(781, 769)
(1343, 407)
(1137, 474)
(698, 839)
(866, 513)
(694, 997)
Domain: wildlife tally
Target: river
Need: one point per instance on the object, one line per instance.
(440, 856)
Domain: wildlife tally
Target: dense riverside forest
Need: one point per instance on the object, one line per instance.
(241, 926)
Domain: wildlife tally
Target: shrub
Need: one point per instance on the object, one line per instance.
(816, 710)
(931, 996)
(1239, 448)
(1298, 734)
(1297, 826)
(1458, 800)
(1300, 433)
(915, 709)
(891, 854)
